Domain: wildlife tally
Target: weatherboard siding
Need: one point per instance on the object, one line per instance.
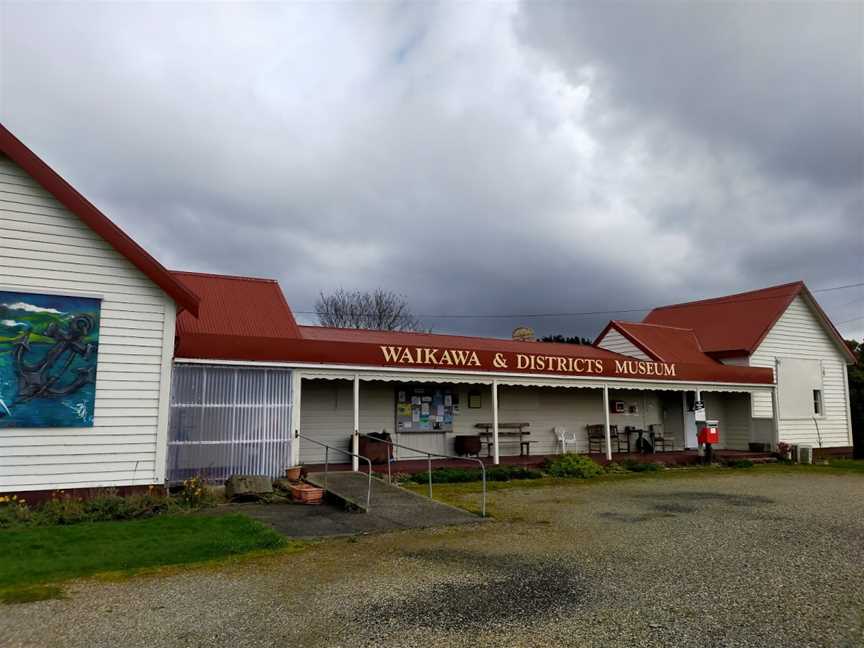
(799, 334)
(731, 410)
(46, 249)
(327, 415)
(617, 343)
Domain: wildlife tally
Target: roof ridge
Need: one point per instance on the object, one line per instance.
(676, 328)
(638, 341)
(733, 297)
(449, 335)
(213, 275)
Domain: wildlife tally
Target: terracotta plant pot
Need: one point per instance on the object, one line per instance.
(307, 494)
(293, 473)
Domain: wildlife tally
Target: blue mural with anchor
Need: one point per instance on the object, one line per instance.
(48, 357)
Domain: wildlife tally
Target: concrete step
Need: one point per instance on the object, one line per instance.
(397, 505)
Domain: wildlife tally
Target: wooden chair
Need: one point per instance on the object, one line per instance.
(659, 440)
(597, 436)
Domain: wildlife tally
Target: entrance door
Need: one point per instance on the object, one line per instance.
(690, 430)
(690, 441)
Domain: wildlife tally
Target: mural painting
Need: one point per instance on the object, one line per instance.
(48, 353)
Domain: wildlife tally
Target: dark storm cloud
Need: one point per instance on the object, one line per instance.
(478, 159)
(782, 80)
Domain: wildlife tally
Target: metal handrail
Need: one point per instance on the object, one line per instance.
(429, 456)
(327, 449)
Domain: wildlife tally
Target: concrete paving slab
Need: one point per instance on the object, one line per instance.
(400, 507)
(312, 521)
(344, 514)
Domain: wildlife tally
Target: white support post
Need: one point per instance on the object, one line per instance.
(355, 438)
(775, 412)
(296, 383)
(684, 419)
(496, 457)
(608, 429)
(848, 405)
(703, 412)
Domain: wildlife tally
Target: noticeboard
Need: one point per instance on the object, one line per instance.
(425, 408)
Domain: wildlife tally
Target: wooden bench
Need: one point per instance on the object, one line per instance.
(505, 430)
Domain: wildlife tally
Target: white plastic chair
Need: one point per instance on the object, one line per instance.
(564, 438)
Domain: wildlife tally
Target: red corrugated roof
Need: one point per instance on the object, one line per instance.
(95, 219)
(730, 325)
(240, 308)
(244, 319)
(735, 325)
(663, 343)
(326, 334)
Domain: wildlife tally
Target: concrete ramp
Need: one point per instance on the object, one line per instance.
(396, 505)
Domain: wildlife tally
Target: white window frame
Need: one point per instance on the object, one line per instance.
(818, 398)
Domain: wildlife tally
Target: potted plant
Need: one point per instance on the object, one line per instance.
(785, 451)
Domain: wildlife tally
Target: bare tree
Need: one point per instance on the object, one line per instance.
(379, 309)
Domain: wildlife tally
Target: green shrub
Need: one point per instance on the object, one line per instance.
(13, 511)
(613, 467)
(573, 465)
(635, 466)
(61, 509)
(446, 476)
(460, 475)
(108, 505)
(507, 473)
(195, 493)
(740, 463)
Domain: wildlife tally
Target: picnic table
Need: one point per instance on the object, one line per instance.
(512, 430)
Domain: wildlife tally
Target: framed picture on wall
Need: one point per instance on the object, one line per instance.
(49, 347)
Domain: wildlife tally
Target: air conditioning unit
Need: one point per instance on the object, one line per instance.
(804, 454)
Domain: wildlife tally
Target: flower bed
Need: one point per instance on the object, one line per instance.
(63, 508)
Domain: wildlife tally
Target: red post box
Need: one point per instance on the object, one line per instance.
(709, 434)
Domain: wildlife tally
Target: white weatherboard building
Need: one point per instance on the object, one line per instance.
(53, 242)
(782, 328)
(173, 374)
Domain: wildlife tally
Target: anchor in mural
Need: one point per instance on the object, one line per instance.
(48, 358)
(43, 378)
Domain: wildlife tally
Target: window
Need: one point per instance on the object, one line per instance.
(817, 402)
(797, 381)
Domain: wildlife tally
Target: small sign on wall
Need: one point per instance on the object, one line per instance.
(699, 410)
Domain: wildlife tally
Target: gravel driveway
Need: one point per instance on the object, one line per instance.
(733, 559)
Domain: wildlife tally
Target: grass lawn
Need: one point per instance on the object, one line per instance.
(466, 495)
(33, 556)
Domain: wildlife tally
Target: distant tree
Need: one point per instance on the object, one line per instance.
(570, 339)
(380, 310)
(856, 396)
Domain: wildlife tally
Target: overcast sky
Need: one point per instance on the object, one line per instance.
(480, 159)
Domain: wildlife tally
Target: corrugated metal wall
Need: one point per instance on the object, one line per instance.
(229, 421)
